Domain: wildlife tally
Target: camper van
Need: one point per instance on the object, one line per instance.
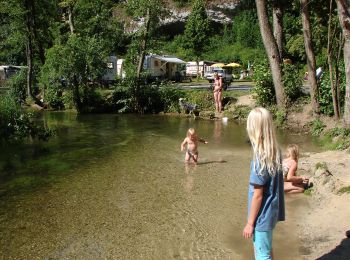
(156, 66)
(191, 68)
(163, 67)
(7, 71)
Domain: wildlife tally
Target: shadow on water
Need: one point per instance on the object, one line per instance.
(340, 252)
(210, 162)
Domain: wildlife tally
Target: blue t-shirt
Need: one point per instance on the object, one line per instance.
(272, 205)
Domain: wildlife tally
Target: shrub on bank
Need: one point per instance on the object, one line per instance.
(325, 98)
(16, 124)
(292, 82)
(263, 92)
(18, 86)
(151, 97)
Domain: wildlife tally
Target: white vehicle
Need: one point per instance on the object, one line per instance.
(7, 71)
(204, 67)
(164, 67)
(223, 73)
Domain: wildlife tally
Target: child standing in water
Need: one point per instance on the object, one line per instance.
(192, 141)
(266, 196)
(292, 183)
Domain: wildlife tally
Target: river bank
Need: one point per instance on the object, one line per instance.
(325, 220)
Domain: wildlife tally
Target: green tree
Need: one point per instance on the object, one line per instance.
(272, 52)
(196, 31)
(25, 35)
(78, 57)
(344, 20)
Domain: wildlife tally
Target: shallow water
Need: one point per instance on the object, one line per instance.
(116, 187)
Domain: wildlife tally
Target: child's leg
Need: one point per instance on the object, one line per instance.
(290, 187)
(195, 157)
(262, 245)
(187, 157)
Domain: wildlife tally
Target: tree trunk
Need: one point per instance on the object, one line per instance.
(337, 72)
(277, 15)
(311, 63)
(35, 33)
(29, 54)
(272, 52)
(330, 64)
(143, 44)
(197, 62)
(76, 95)
(70, 19)
(343, 7)
(141, 60)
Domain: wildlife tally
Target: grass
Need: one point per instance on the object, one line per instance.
(344, 190)
(308, 192)
(321, 165)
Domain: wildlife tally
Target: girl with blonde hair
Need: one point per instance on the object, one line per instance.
(265, 196)
(292, 183)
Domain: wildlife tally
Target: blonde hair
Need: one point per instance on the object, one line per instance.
(292, 151)
(191, 132)
(263, 139)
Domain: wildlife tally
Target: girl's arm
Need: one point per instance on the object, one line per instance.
(183, 144)
(254, 211)
(220, 82)
(291, 174)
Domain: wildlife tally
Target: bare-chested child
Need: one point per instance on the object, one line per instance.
(192, 141)
(292, 182)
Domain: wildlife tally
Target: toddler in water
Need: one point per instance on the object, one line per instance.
(292, 183)
(192, 141)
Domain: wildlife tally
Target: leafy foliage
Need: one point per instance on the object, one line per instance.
(263, 92)
(154, 97)
(17, 85)
(16, 125)
(325, 98)
(292, 82)
(196, 29)
(317, 127)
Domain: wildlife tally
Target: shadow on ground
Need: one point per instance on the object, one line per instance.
(340, 252)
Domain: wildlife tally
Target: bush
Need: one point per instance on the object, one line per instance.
(325, 98)
(204, 99)
(292, 82)
(317, 127)
(263, 92)
(54, 97)
(152, 97)
(16, 125)
(18, 86)
(241, 112)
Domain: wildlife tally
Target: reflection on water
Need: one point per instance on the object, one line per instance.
(112, 186)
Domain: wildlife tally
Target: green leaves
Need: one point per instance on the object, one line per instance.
(197, 29)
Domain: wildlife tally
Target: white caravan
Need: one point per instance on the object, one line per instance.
(204, 67)
(163, 67)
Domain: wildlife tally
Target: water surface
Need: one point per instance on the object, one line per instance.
(116, 187)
